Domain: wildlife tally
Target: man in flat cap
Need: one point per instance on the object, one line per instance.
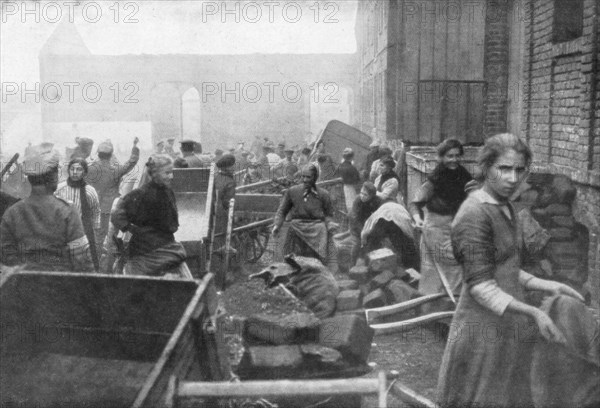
(160, 147)
(42, 231)
(187, 150)
(205, 158)
(350, 177)
(170, 149)
(105, 176)
(280, 170)
(225, 187)
(281, 150)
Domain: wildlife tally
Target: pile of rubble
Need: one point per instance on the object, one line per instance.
(303, 346)
(319, 343)
(377, 283)
(557, 244)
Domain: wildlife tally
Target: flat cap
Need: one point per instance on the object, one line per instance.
(347, 151)
(227, 160)
(84, 141)
(375, 143)
(105, 147)
(40, 159)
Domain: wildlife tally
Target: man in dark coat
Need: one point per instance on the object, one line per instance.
(187, 150)
(225, 188)
(224, 185)
(42, 231)
(105, 176)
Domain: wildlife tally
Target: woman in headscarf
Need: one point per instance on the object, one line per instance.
(311, 217)
(85, 199)
(150, 214)
(442, 194)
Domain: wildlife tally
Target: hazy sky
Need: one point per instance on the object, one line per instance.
(177, 27)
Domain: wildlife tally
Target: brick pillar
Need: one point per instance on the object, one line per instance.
(496, 66)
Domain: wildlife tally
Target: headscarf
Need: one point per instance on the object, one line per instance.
(86, 208)
(312, 187)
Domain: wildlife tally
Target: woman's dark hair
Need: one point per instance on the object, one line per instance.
(385, 151)
(306, 151)
(80, 161)
(448, 145)
(388, 161)
(496, 146)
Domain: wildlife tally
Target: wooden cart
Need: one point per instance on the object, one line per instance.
(194, 195)
(104, 340)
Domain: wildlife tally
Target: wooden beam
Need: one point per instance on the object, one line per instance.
(279, 388)
(410, 397)
(387, 328)
(375, 313)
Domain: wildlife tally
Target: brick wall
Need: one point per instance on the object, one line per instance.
(561, 112)
(496, 67)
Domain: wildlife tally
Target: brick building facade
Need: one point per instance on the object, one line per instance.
(469, 69)
(561, 103)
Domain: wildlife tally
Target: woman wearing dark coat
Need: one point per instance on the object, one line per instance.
(441, 195)
(150, 214)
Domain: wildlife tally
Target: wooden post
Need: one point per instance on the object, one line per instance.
(228, 239)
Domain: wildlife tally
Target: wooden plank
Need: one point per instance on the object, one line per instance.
(168, 353)
(409, 77)
(440, 49)
(427, 29)
(375, 313)
(280, 388)
(388, 328)
(410, 397)
(453, 61)
(476, 46)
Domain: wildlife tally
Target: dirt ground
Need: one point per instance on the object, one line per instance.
(415, 354)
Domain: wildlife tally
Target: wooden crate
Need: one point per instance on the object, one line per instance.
(101, 340)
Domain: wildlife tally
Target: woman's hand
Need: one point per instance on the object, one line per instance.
(557, 288)
(548, 329)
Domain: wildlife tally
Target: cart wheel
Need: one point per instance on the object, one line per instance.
(255, 243)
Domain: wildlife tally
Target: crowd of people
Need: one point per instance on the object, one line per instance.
(470, 244)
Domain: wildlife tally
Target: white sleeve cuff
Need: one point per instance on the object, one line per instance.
(489, 295)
